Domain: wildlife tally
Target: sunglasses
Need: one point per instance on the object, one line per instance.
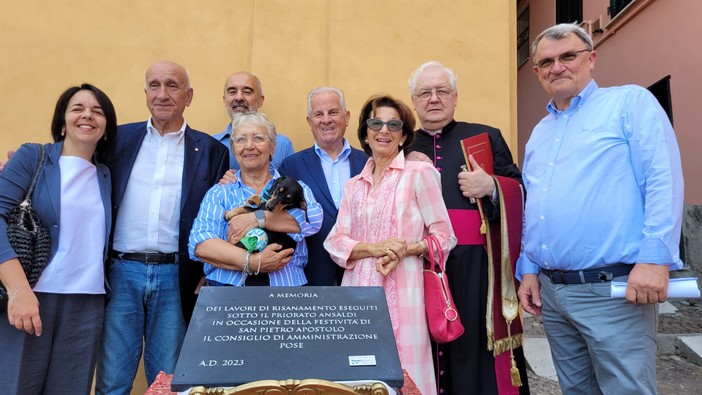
(375, 124)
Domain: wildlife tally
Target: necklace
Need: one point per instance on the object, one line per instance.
(253, 183)
(379, 173)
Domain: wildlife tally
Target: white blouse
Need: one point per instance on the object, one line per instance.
(77, 267)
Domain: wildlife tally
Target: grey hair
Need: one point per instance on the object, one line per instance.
(255, 118)
(258, 82)
(187, 78)
(560, 31)
(325, 89)
(453, 78)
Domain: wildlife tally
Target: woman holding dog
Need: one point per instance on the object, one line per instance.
(384, 213)
(213, 238)
(49, 334)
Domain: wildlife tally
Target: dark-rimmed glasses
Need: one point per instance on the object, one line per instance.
(375, 124)
(564, 58)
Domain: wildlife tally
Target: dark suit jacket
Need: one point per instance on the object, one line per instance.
(206, 160)
(306, 166)
(46, 199)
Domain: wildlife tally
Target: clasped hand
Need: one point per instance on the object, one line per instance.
(389, 253)
(239, 226)
(648, 283)
(272, 258)
(476, 183)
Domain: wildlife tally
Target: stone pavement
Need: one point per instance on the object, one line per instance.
(679, 361)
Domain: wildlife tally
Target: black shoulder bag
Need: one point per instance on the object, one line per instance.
(28, 236)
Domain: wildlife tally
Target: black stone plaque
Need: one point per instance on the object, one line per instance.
(243, 334)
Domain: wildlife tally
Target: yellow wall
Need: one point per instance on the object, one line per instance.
(362, 46)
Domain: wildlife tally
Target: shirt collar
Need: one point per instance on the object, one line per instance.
(345, 151)
(397, 163)
(575, 102)
(435, 132)
(150, 127)
(271, 168)
(228, 131)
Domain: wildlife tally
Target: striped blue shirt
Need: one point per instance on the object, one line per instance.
(604, 184)
(210, 223)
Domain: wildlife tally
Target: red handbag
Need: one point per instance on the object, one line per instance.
(442, 316)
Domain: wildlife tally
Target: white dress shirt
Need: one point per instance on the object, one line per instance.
(148, 218)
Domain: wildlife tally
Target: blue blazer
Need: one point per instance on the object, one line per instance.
(46, 198)
(206, 161)
(306, 166)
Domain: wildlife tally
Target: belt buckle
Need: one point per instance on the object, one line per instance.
(147, 258)
(605, 276)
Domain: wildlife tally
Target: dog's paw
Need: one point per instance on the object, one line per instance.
(234, 212)
(254, 201)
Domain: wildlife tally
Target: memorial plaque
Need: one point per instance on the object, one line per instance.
(243, 334)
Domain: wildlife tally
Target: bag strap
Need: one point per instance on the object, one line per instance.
(435, 254)
(440, 252)
(42, 155)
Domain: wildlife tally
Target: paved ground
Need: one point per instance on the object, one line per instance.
(676, 374)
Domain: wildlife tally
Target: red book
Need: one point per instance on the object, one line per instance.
(479, 147)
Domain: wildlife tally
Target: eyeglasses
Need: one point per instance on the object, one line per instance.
(375, 124)
(441, 93)
(256, 139)
(564, 58)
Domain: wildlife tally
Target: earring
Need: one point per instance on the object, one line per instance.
(63, 131)
(105, 137)
(401, 143)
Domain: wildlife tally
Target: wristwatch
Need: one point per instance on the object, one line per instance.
(260, 218)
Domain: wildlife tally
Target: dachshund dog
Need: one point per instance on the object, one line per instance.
(285, 193)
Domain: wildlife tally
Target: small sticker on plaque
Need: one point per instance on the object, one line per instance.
(362, 360)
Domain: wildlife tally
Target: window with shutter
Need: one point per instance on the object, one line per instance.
(569, 11)
(523, 37)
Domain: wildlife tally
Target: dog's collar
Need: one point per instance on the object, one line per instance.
(265, 195)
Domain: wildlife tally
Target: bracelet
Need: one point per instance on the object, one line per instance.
(246, 263)
(15, 292)
(258, 269)
(423, 246)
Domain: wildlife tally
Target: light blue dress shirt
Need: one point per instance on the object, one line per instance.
(210, 224)
(283, 148)
(604, 184)
(336, 172)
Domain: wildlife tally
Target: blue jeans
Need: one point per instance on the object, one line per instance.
(144, 308)
(599, 344)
